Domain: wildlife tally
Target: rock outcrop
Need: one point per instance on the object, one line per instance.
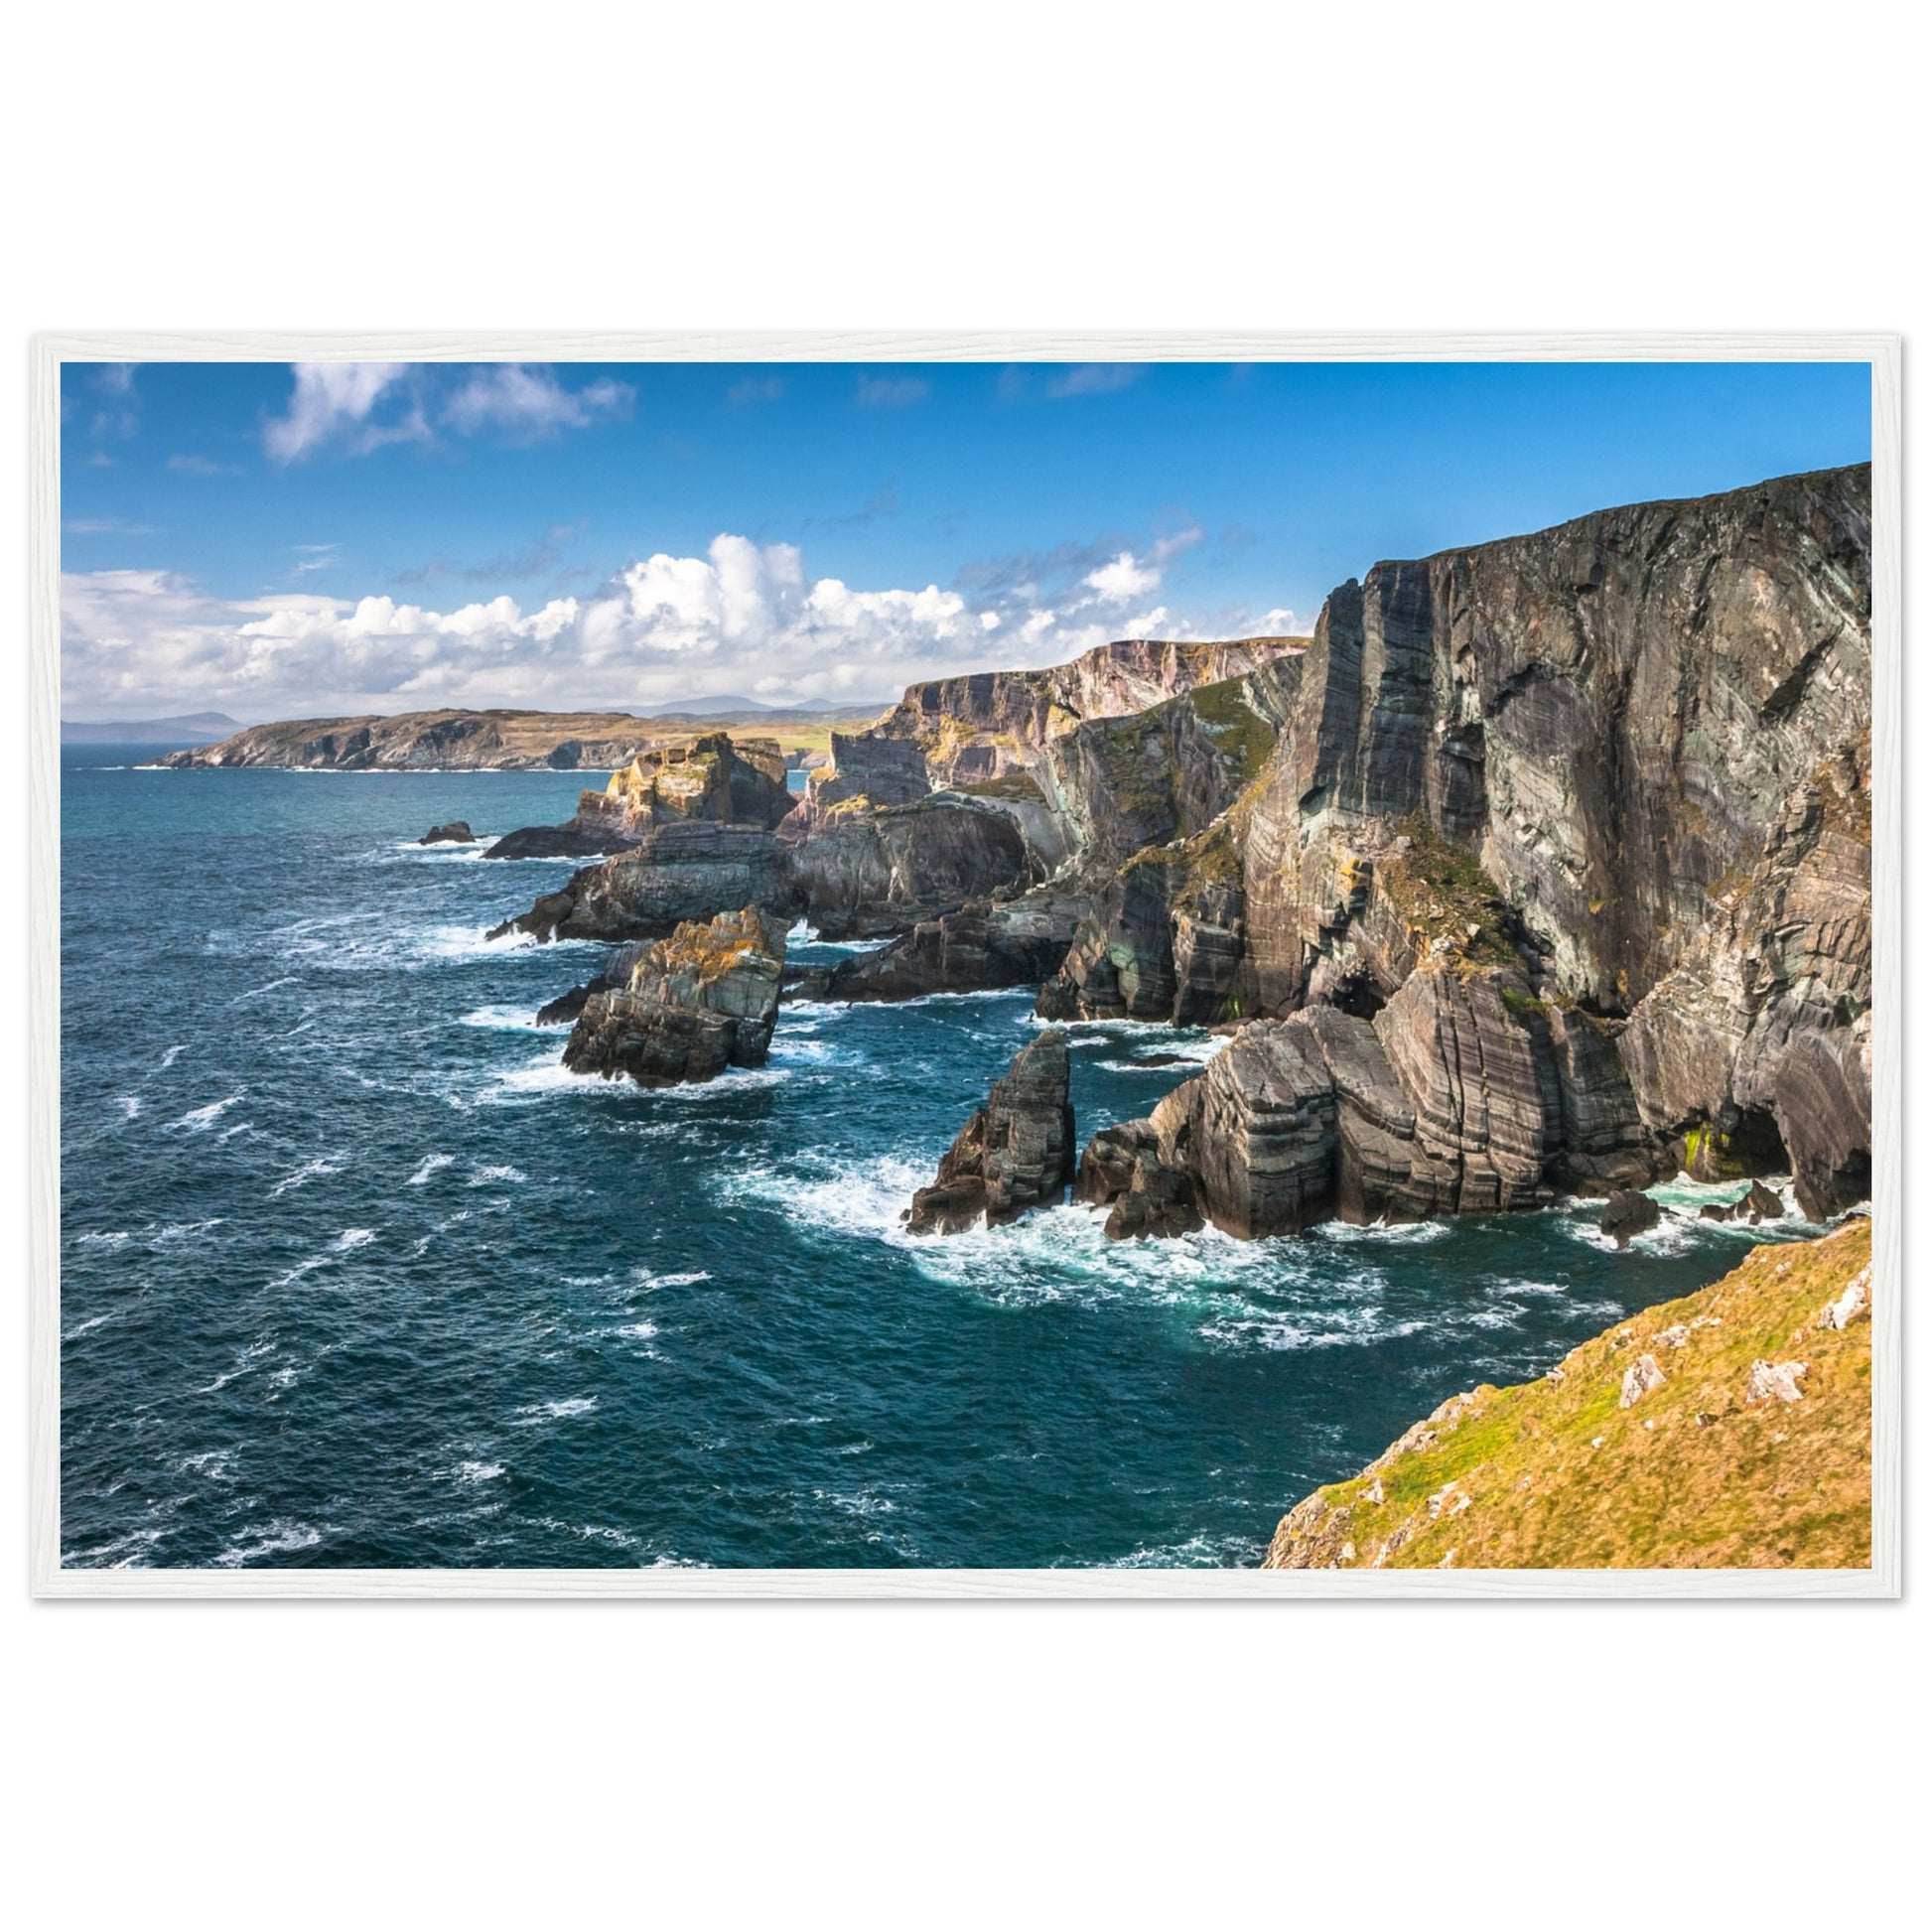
(687, 869)
(724, 779)
(1457, 1098)
(986, 945)
(1626, 1215)
(1016, 1152)
(694, 1004)
(457, 832)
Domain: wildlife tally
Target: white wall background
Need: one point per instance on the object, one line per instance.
(1660, 166)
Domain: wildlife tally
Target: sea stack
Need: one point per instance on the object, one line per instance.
(1016, 1152)
(701, 1001)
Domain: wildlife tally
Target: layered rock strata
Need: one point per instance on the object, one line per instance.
(1016, 1152)
(1627, 759)
(1458, 1098)
(694, 1004)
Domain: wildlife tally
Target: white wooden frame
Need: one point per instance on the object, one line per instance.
(48, 1579)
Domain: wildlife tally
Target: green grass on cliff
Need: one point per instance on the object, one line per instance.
(1694, 1473)
(1243, 736)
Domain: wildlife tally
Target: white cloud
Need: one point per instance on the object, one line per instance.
(1124, 578)
(329, 398)
(742, 618)
(527, 403)
(755, 388)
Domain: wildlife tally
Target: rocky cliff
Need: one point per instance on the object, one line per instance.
(1621, 771)
(1731, 1429)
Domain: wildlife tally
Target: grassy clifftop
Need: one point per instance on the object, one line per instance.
(1731, 1430)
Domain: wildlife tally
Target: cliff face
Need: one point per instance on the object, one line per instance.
(1729, 1429)
(1626, 761)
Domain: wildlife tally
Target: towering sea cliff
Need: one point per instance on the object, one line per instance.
(1593, 805)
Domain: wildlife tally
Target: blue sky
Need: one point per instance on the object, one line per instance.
(276, 541)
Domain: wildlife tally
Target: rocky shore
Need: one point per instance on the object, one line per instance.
(1541, 868)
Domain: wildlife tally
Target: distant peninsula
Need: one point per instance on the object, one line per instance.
(493, 740)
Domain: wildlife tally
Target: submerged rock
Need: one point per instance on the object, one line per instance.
(694, 1004)
(457, 832)
(1016, 1152)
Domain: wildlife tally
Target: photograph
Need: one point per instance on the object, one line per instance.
(1237, 971)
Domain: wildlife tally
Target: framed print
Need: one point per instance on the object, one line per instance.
(1249, 966)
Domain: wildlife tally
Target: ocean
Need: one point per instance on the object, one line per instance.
(353, 1273)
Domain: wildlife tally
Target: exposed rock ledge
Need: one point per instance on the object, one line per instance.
(701, 1001)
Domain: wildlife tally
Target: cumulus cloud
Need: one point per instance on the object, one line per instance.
(743, 618)
(1121, 578)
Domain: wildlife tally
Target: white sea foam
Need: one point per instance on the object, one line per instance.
(171, 1056)
(217, 1465)
(202, 1118)
(103, 1238)
(351, 1239)
(86, 1328)
(270, 1540)
(255, 992)
(308, 1172)
(505, 1020)
(249, 1359)
(430, 1163)
(479, 1471)
(290, 1276)
(129, 1104)
(563, 1410)
(494, 1177)
(169, 1231)
(640, 1331)
(644, 1279)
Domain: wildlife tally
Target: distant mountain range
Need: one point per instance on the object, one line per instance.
(198, 728)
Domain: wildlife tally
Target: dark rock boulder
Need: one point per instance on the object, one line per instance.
(694, 1004)
(457, 832)
(1755, 1205)
(1122, 1169)
(1628, 1213)
(1016, 1152)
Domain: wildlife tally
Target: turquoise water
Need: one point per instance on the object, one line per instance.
(353, 1273)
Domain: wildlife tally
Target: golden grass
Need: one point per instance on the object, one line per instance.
(1557, 1475)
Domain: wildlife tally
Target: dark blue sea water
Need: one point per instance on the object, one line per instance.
(353, 1273)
